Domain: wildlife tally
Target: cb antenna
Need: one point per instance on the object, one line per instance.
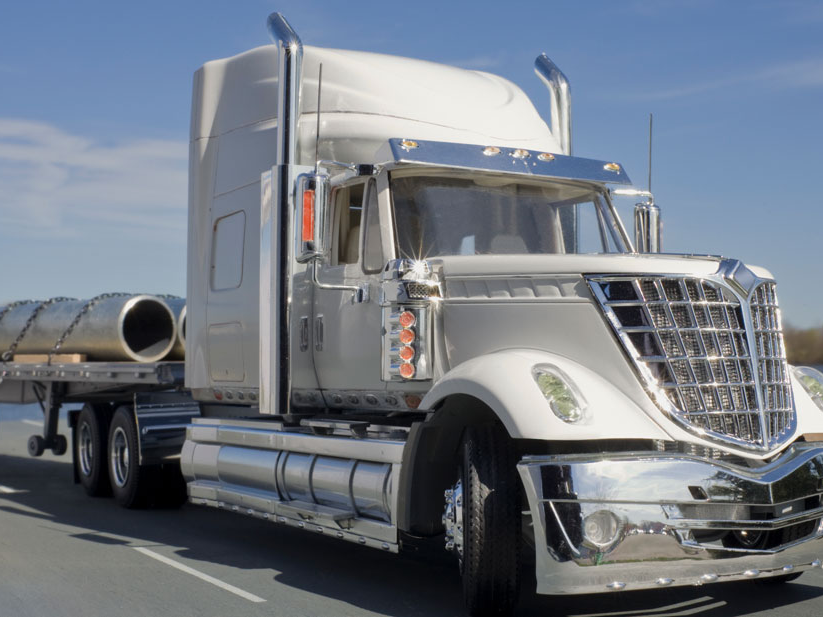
(317, 131)
(651, 118)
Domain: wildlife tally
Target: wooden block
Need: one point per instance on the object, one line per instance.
(41, 358)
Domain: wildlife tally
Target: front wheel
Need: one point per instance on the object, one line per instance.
(483, 521)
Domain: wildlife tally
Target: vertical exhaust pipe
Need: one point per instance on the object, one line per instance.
(276, 226)
(560, 92)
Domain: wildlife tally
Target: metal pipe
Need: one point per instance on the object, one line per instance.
(132, 328)
(178, 307)
(276, 227)
(560, 91)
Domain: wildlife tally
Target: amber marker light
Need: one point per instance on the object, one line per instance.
(611, 167)
(491, 150)
(545, 156)
(406, 371)
(409, 144)
(521, 154)
(406, 337)
(308, 216)
(406, 353)
(407, 319)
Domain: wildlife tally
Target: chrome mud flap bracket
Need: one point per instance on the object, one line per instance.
(644, 520)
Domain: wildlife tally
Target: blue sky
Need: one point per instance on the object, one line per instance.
(95, 101)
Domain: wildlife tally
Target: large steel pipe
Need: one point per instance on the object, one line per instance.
(178, 307)
(133, 328)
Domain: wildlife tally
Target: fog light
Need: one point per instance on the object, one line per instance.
(601, 528)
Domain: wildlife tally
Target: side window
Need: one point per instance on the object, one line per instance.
(373, 260)
(348, 208)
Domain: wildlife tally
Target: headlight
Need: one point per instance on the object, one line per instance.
(563, 397)
(812, 382)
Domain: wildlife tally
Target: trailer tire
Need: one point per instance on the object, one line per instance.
(491, 522)
(90, 448)
(130, 483)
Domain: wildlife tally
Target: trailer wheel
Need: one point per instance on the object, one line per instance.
(91, 435)
(130, 482)
(488, 516)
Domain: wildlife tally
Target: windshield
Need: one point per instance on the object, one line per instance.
(480, 214)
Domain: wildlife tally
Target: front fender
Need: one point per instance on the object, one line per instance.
(503, 381)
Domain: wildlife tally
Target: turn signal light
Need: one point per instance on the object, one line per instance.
(406, 353)
(406, 336)
(406, 319)
(407, 370)
(308, 216)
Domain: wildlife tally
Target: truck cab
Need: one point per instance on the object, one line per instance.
(426, 318)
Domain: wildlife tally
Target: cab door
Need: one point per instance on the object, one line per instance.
(346, 322)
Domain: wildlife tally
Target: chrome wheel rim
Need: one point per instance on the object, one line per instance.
(86, 447)
(119, 457)
(453, 519)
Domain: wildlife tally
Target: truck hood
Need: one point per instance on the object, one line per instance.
(543, 303)
(531, 265)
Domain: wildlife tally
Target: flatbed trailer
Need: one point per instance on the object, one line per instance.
(162, 407)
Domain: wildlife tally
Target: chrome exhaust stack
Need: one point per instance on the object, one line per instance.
(276, 224)
(560, 91)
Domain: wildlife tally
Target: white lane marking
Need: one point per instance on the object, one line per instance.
(5, 490)
(209, 579)
(32, 422)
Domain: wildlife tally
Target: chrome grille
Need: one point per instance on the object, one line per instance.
(703, 359)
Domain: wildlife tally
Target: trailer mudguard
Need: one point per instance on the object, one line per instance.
(504, 381)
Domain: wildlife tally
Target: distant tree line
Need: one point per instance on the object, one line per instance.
(804, 346)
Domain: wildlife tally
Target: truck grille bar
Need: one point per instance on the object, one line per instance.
(711, 359)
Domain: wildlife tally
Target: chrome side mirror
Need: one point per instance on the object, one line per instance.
(647, 227)
(312, 205)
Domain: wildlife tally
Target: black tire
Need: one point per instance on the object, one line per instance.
(90, 449)
(36, 445)
(492, 534)
(61, 445)
(130, 483)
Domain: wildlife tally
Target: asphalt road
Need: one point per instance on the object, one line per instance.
(64, 554)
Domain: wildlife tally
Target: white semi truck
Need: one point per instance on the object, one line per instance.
(425, 318)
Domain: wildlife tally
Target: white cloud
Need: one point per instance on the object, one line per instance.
(798, 74)
(54, 183)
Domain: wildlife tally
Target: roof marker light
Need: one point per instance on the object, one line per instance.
(611, 167)
(520, 153)
(409, 144)
(545, 156)
(491, 150)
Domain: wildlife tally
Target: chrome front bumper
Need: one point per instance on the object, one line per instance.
(663, 519)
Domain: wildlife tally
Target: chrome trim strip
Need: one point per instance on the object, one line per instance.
(528, 162)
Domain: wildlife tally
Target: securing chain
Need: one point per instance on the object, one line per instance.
(87, 306)
(7, 309)
(9, 353)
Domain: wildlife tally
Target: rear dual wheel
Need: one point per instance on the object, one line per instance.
(135, 485)
(90, 447)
